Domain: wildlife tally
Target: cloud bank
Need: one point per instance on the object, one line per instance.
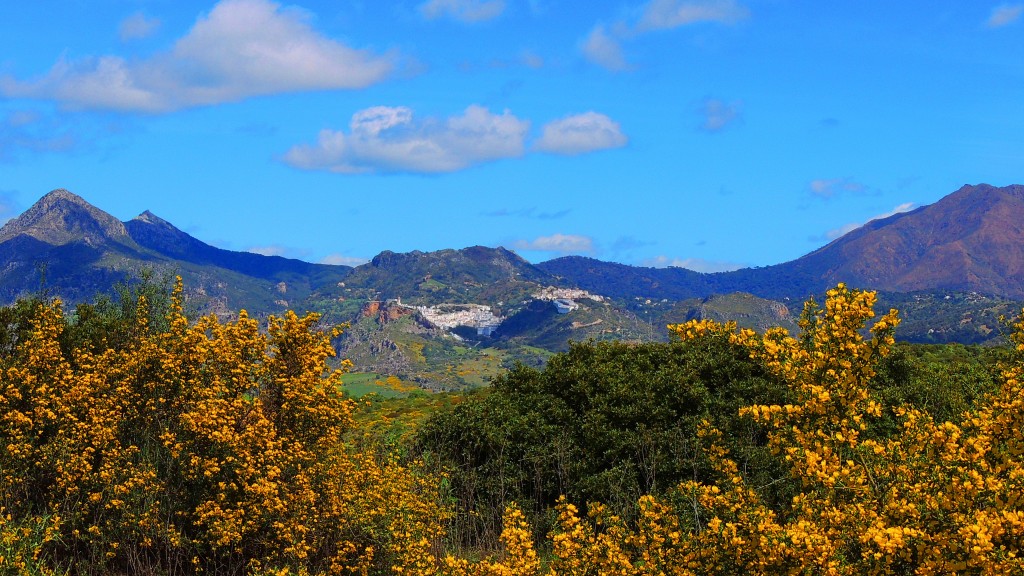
(342, 260)
(241, 49)
(137, 27)
(390, 139)
(272, 250)
(385, 139)
(695, 264)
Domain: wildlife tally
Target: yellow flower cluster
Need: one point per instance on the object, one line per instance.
(936, 499)
(211, 447)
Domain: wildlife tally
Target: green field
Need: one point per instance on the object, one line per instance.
(359, 384)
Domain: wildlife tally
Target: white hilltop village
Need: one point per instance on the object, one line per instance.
(481, 317)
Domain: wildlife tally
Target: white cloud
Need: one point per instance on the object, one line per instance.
(845, 229)
(667, 14)
(1004, 14)
(342, 260)
(695, 264)
(242, 48)
(7, 206)
(561, 243)
(463, 10)
(268, 250)
(718, 114)
(390, 139)
(27, 131)
(603, 49)
(20, 118)
(137, 27)
(603, 46)
(580, 133)
(829, 187)
(531, 60)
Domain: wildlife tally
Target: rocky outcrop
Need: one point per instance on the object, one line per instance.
(371, 308)
(61, 218)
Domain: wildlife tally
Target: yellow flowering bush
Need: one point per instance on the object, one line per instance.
(212, 447)
(937, 498)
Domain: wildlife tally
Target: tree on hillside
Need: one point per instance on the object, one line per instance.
(605, 422)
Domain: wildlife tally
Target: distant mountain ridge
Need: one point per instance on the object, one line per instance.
(75, 250)
(970, 240)
(159, 235)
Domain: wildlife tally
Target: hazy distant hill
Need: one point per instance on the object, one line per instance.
(159, 235)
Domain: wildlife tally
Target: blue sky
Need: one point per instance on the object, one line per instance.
(710, 134)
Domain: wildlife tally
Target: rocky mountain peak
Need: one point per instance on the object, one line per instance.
(60, 218)
(148, 227)
(154, 232)
(150, 218)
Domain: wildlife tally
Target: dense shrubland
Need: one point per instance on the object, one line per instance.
(164, 446)
(135, 441)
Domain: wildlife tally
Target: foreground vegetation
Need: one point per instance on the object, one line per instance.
(136, 441)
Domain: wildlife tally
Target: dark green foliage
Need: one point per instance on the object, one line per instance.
(602, 422)
(15, 324)
(113, 321)
(947, 317)
(943, 380)
(109, 321)
(610, 422)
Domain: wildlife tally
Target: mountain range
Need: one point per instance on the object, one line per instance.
(952, 267)
(970, 241)
(76, 250)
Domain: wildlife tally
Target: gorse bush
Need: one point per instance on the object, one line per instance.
(206, 447)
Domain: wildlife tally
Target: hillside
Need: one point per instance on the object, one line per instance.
(74, 250)
(969, 241)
